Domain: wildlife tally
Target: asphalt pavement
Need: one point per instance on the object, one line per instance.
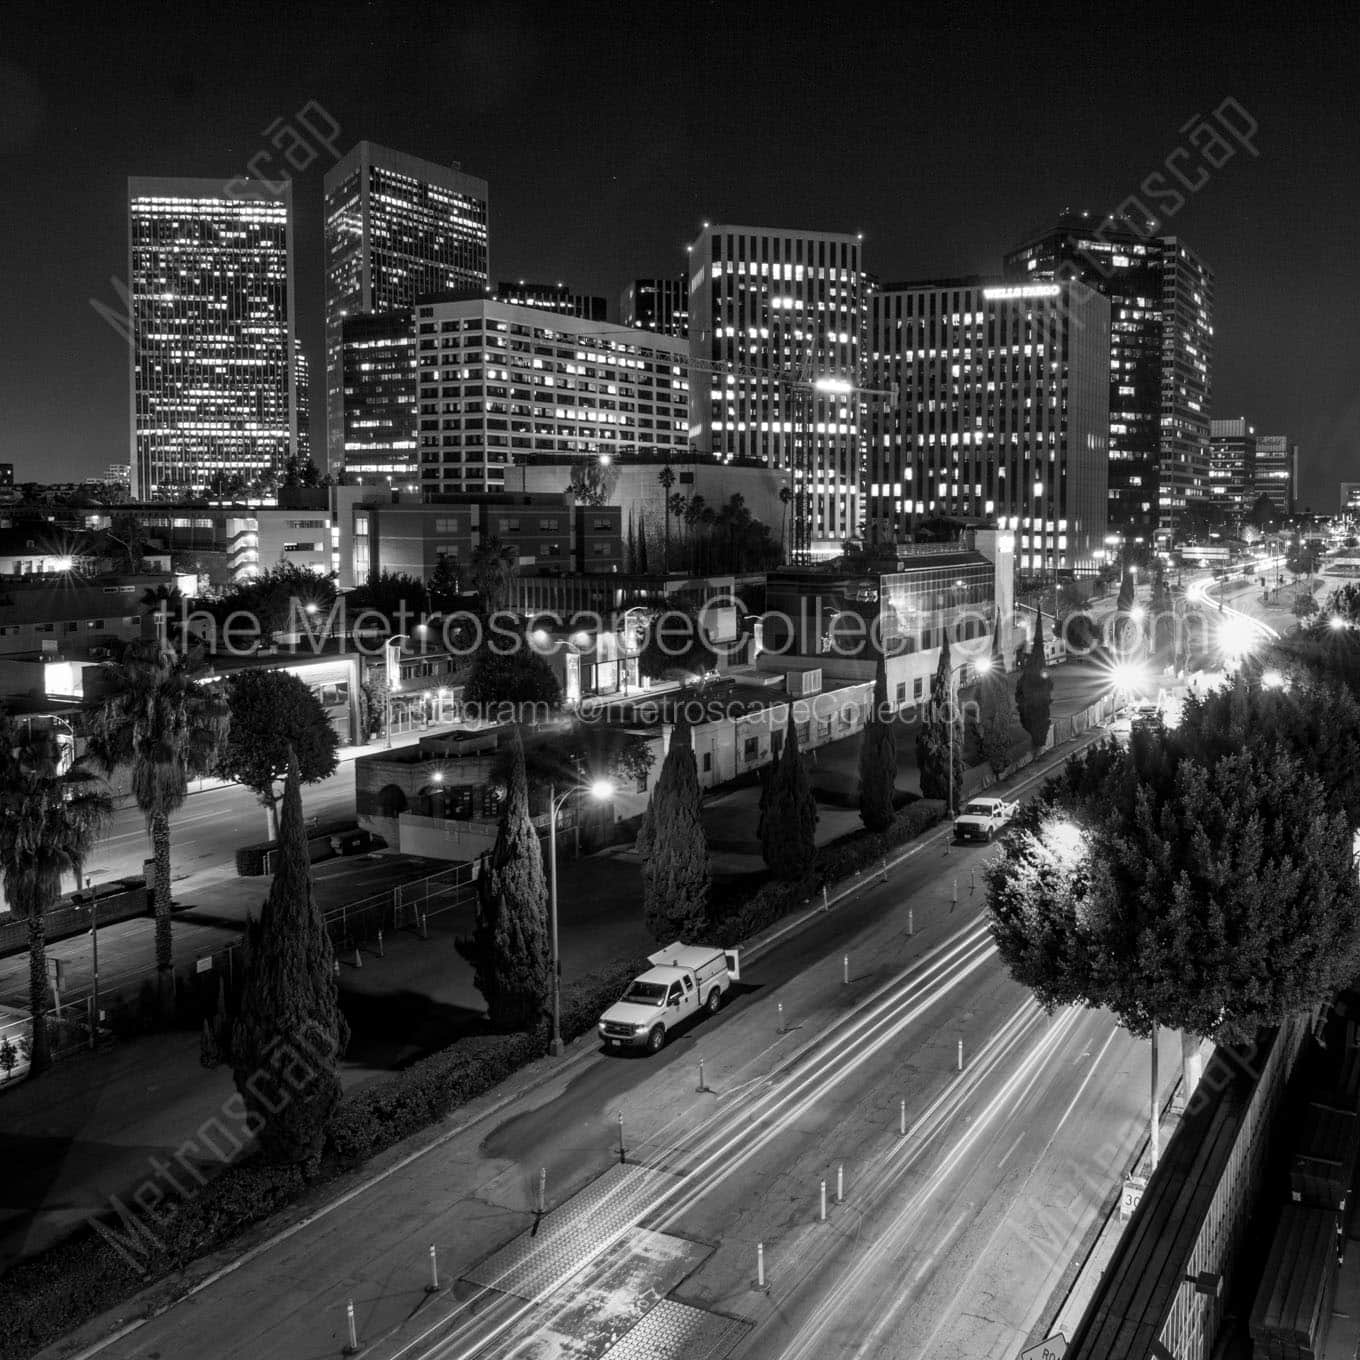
(951, 1238)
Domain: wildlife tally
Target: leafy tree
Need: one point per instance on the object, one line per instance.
(878, 759)
(936, 742)
(788, 820)
(152, 717)
(289, 1033)
(518, 675)
(1301, 560)
(1034, 690)
(995, 724)
(675, 640)
(1344, 603)
(9, 1057)
(676, 871)
(399, 598)
(1213, 899)
(491, 574)
(444, 586)
(1305, 606)
(594, 483)
(1263, 513)
(50, 820)
(275, 719)
(509, 947)
(276, 599)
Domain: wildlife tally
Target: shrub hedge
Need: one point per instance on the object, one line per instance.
(45, 1296)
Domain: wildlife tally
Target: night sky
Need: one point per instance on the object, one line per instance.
(609, 132)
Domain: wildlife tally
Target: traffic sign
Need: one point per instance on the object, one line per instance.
(1052, 1349)
(1130, 1195)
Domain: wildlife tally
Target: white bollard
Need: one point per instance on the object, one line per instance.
(956, 892)
(823, 1201)
(960, 1055)
(381, 954)
(902, 1122)
(760, 1265)
(433, 1286)
(826, 901)
(845, 970)
(840, 1184)
(358, 958)
(542, 1190)
(353, 1346)
(885, 870)
(911, 921)
(621, 1152)
(702, 1086)
(781, 1017)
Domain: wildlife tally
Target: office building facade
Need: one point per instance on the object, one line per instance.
(1003, 415)
(1161, 298)
(302, 385)
(1232, 467)
(775, 316)
(499, 384)
(396, 227)
(552, 297)
(211, 363)
(1277, 471)
(660, 305)
(378, 381)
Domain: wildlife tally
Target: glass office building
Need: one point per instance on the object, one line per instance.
(212, 360)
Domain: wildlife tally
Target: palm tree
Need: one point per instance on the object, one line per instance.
(49, 822)
(667, 479)
(152, 717)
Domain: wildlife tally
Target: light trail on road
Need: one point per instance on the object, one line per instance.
(726, 1141)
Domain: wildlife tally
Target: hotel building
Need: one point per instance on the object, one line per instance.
(1161, 355)
(1003, 415)
(396, 227)
(211, 363)
(499, 384)
(771, 313)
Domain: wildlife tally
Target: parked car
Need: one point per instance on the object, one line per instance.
(983, 818)
(683, 982)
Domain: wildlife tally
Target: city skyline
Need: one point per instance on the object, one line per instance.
(631, 182)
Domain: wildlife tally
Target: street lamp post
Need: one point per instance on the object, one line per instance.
(603, 790)
(393, 679)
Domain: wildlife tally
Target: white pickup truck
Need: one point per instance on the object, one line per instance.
(983, 818)
(684, 980)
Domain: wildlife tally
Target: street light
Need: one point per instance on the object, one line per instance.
(602, 790)
(393, 681)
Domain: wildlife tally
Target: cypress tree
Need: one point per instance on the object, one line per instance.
(642, 547)
(788, 825)
(1034, 690)
(676, 872)
(878, 759)
(935, 742)
(509, 948)
(289, 1034)
(630, 548)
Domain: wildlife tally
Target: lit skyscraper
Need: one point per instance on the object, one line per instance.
(1232, 467)
(1277, 471)
(302, 381)
(660, 305)
(1161, 353)
(1003, 414)
(790, 305)
(210, 270)
(396, 228)
(378, 366)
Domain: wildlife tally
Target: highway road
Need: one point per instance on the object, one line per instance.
(950, 1240)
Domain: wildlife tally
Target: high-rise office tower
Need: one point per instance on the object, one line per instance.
(1003, 414)
(776, 322)
(1161, 359)
(210, 278)
(396, 228)
(302, 383)
(500, 384)
(1232, 467)
(660, 305)
(553, 297)
(1277, 471)
(378, 369)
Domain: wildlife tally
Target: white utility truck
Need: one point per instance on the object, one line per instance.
(684, 980)
(983, 818)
